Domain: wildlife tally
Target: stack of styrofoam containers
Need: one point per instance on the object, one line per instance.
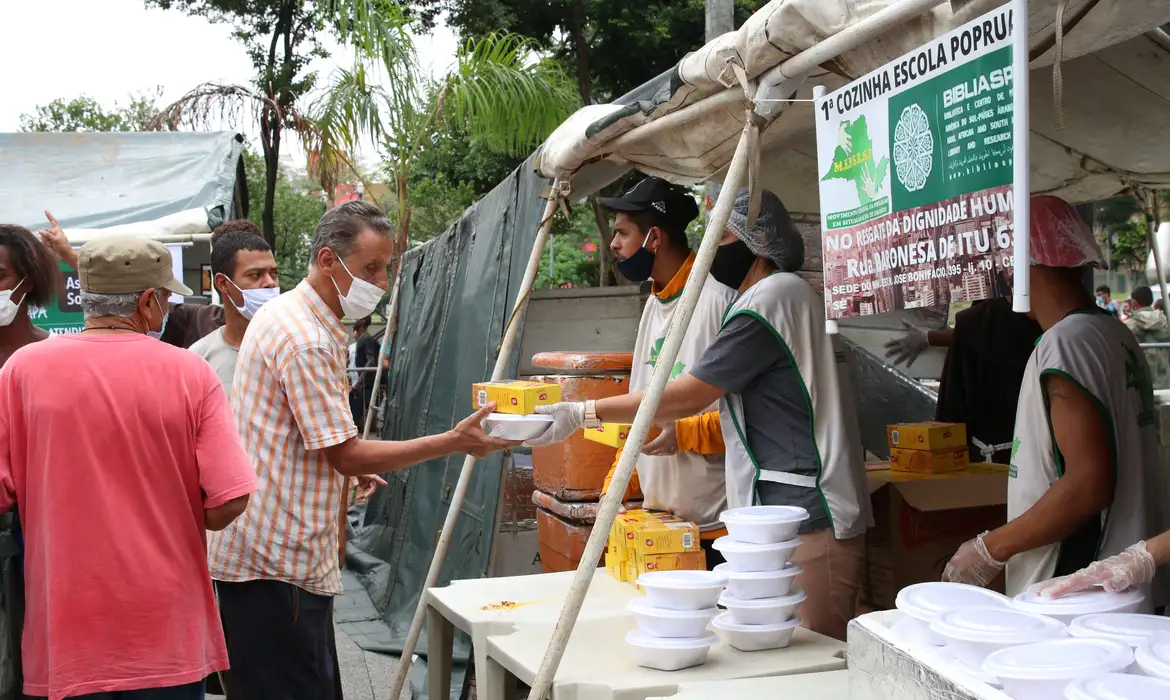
(761, 600)
(672, 618)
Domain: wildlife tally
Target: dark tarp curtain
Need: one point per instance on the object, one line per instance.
(457, 293)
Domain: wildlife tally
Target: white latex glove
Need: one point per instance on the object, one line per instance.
(973, 564)
(568, 418)
(1132, 567)
(905, 350)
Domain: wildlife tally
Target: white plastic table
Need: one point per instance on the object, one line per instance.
(598, 665)
(833, 685)
(474, 607)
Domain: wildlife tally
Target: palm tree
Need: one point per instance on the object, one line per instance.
(499, 88)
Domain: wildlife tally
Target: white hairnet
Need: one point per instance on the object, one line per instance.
(774, 236)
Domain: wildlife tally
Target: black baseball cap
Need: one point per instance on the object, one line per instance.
(673, 204)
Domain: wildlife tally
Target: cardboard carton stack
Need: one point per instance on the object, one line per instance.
(928, 448)
(641, 541)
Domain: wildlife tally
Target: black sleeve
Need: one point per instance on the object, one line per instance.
(744, 349)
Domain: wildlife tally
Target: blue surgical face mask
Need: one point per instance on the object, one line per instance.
(157, 335)
(639, 266)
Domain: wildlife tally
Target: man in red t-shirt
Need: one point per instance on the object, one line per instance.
(120, 452)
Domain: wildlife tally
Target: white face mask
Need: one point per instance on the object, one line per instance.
(253, 299)
(362, 299)
(8, 308)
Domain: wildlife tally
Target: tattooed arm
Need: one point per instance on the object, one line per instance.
(1081, 434)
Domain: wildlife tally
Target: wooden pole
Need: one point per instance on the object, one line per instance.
(737, 175)
(511, 331)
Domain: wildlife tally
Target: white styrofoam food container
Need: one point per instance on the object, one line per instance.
(974, 633)
(1117, 686)
(760, 584)
(1153, 656)
(664, 622)
(763, 611)
(754, 637)
(682, 590)
(763, 524)
(510, 426)
(745, 556)
(1069, 608)
(1131, 628)
(1043, 670)
(922, 602)
(669, 654)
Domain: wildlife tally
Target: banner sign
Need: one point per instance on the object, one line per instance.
(916, 176)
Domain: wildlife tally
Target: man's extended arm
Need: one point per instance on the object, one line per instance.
(357, 457)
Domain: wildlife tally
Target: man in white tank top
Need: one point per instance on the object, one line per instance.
(1085, 451)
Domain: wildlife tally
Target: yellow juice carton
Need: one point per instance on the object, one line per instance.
(515, 396)
(665, 538)
(646, 563)
(928, 436)
(615, 434)
(929, 462)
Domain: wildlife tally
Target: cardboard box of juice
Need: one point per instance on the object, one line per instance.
(929, 462)
(641, 541)
(930, 436)
(515, 396)
(615, 434)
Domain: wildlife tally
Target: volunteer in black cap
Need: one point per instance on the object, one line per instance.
(650, 242)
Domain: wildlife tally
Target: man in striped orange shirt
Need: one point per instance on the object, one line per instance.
(276, 568)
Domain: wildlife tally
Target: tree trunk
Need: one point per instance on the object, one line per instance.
(270, 142)
(604, 256)
(720, 18)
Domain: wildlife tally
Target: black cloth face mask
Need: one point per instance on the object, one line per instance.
(637, 267)
(732, 263)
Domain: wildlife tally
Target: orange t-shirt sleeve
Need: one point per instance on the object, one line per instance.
(700, 434)
(633, 490)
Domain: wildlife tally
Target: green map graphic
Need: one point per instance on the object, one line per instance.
(853, 161)
(678, 368)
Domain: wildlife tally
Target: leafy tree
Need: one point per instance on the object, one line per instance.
(502, 94)
(281, 38)
(295, 216)
(436, 204)
(609, 46)
(84, 113)
(565, 264)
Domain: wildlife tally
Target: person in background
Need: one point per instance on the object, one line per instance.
(1126, 310)
(244, 273)
(1149, 325)
(364, 351)
(1144, 320)
(29, 277)
(186, 323)
(787, 411)
(120, 453)
(987, 353)
(277, 567)
(1082, 480)
(650, 243)
(1105, 299)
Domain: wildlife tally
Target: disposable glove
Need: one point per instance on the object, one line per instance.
(568, 418)
(905, 350)
(1132, 567)
(973, 564)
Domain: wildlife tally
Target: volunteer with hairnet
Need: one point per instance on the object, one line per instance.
(1083, 460)
(787, 413)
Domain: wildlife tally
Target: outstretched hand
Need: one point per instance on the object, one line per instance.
(905, 350)
(568, 418)
(56, 240)
(471, 438)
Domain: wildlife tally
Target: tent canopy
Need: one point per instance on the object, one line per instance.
(98, 180)
(684, 124)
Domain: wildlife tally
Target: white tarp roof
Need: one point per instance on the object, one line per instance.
(101, 180)
(684, 124)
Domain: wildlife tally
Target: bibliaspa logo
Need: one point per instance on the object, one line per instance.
(913, 148)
